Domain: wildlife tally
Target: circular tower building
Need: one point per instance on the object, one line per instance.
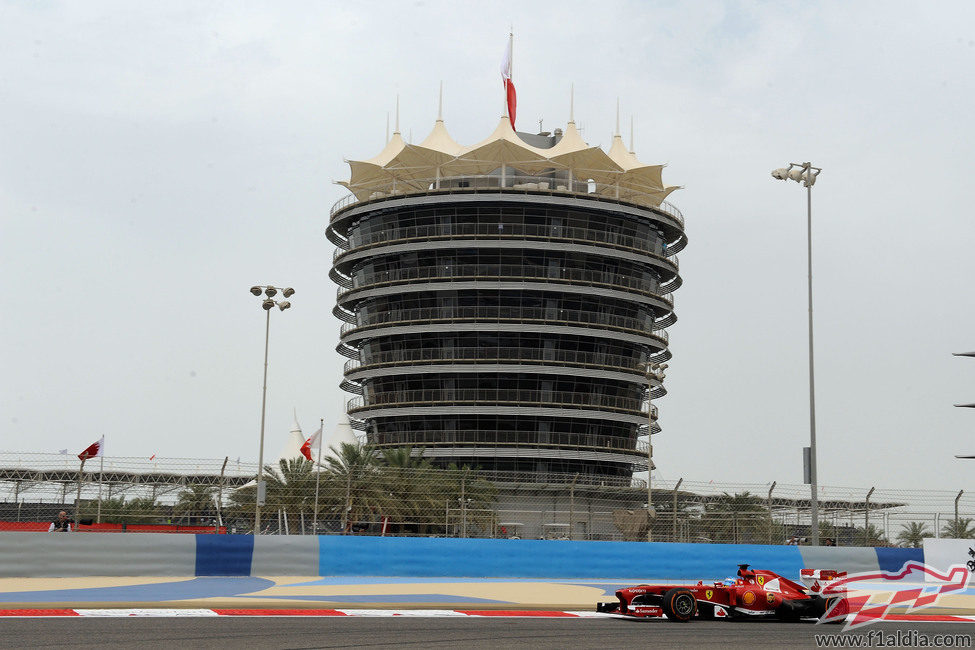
(502, 301)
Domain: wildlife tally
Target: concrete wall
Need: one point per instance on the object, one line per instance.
(135, 554)
(97, 554)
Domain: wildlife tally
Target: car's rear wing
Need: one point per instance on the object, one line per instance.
(816, 579)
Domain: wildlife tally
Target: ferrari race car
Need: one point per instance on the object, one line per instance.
(753, 593)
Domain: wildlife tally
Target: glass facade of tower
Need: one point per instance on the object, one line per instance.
(506, 322)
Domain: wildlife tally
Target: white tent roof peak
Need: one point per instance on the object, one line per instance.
(620, 155)
(292, 446)
(440, 140)
(571, 141)
(504, 132)
(296, 427)
(342, 433)
(393, 147)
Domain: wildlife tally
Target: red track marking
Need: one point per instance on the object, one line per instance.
(38, 612)
(519, 612)
(929, 618)
(511, 613)
(279, 612)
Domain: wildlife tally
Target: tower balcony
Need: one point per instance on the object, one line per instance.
(592, 323)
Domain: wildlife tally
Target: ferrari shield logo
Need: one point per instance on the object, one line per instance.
(709, 593)
(770, 597)
(760, 580)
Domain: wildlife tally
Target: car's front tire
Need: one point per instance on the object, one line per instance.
(679, 605)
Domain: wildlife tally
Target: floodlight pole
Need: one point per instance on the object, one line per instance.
(260, 455)
(806, 174)
(267, 304)
(813, 479)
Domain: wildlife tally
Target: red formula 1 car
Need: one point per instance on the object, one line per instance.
(752, 593)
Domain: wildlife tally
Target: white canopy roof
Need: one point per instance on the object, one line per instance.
(621, 156)
(341, 433)
(292, 446)
(393, 147)
(401, 168)
(440, 140)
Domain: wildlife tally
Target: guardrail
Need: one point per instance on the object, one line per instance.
(514, 184)
(500, 354)
(491, 438)
(503, 314)
(501, 272)
(359, 240)
(491, 396)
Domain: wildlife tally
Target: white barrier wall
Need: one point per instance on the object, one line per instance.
(43, 555)
(846, 558)
(285, 555)
(942, 554)
(156, 554)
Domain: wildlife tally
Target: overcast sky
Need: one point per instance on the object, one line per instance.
(158, 159)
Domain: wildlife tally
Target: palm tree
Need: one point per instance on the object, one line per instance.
(461, 486)
(913, 533)
(112, 510)
(195, 501)
(405, 457)
(291, 490)
(872, 536)
(412, 485)
(143, 510)
(737, 518)
(958, 529)
(117, 511)
(354, 467)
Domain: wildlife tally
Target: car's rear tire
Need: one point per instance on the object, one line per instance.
(787, 611)
(835, 600)
(679, 605)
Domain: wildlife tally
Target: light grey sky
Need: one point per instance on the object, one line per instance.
(159, 159)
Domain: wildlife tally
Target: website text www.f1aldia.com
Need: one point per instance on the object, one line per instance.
(893, 639)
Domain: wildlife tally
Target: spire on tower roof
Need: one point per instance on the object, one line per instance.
(572, 103)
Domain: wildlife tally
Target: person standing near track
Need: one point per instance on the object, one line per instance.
(60, 525)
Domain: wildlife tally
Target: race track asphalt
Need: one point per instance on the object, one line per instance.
(577, 634)
(307, 591)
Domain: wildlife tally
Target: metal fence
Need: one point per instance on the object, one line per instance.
(363, 491)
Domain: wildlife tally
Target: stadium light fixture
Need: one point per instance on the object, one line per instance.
(806, 174)
(267, 304)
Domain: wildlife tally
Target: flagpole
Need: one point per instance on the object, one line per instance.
(318, 474)
(511, 56)
(101, 476)
(77, 501)
(511, 68)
